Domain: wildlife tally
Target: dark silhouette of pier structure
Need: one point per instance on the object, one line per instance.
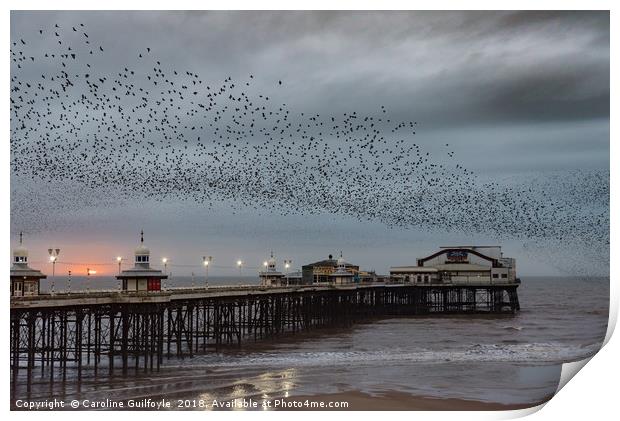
(105, 332)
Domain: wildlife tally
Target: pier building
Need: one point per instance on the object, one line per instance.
(141, 277)
(24, 279)
(342, 275)
(321, 271)
(293, 278)
(270, 276)
(370, 276)
(459, 265)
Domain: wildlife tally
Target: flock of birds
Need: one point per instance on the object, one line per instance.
(151, 131)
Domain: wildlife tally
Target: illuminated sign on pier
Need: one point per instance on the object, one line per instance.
(456, 256)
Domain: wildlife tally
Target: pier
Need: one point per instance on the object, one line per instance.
(108, 331)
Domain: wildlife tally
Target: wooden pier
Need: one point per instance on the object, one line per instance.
(110, 331)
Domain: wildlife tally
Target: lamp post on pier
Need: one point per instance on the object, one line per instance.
(240, 266)
(287, 265)
(119, 259)
(53, 258)
(88, 273)
(165, 262)
(205, 261)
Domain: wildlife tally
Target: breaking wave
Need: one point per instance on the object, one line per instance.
(507, 352)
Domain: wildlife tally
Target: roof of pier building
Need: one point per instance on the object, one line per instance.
(342, 268)
(141, 273)
(20, 251)
(413, 269)
(270, 274)
(142, 250)
(494, 262)
(341, 272)
(330, 262)
(27, 273)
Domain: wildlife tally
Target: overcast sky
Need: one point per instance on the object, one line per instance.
(515, 93)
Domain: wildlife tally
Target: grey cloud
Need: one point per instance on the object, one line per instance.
(510, 91)
(476, 67)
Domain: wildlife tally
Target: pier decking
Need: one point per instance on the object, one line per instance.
(109, 330)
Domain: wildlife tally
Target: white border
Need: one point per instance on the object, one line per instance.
(592, 394)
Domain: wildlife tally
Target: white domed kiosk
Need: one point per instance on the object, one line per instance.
(24, 280)
(342, 275)
(141, 278)
(270, 276)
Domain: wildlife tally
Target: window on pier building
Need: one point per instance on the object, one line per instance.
(142, 259)
(495, 275)
(504, 275)
(21, 259)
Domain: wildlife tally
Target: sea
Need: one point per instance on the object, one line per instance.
(507, 359)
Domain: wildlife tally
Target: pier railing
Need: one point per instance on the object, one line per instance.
(60, 294)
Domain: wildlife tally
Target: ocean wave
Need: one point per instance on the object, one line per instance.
(504, 352)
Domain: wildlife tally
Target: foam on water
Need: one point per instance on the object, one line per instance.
(514, 353)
